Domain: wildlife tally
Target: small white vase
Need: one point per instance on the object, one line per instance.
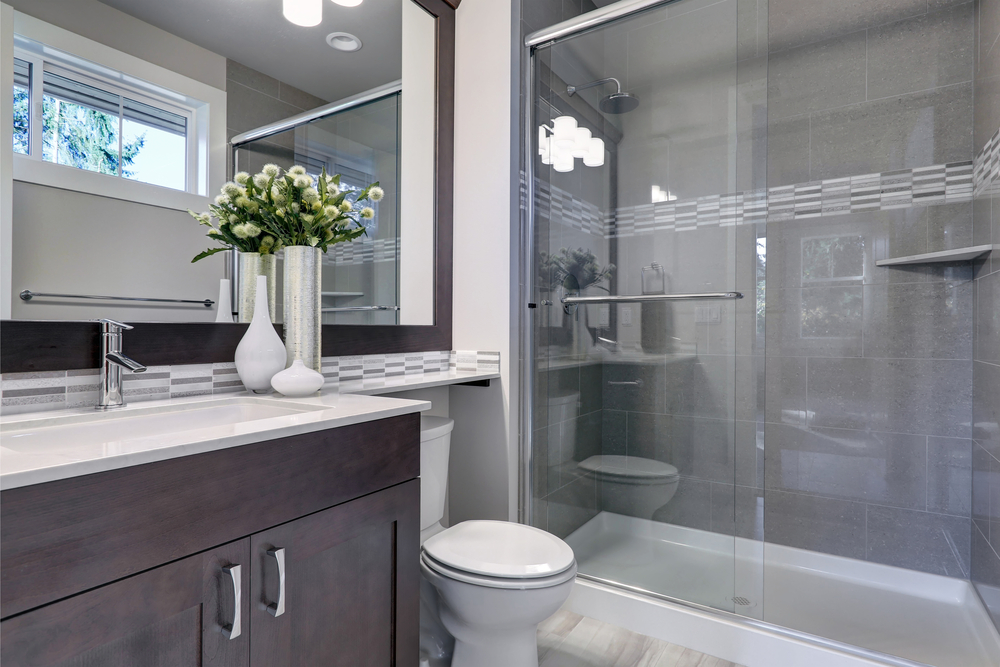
(225, 312)
(260, 353)
(297, 380)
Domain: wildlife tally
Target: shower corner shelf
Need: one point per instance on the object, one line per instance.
(345, 294)
(955, 255)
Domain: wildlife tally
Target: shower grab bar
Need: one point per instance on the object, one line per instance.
(28, 295)
(624, 383)
(640, 298)
(349, 309)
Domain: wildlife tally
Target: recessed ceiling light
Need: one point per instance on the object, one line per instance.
(305, 13)
(343, 41)
(348, 3)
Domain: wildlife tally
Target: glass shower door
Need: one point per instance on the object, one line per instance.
(643, 435)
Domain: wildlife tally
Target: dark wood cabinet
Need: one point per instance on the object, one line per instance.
(176, 615)
(344, 600)
(146, 555)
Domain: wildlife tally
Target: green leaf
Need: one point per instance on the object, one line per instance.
(208, 253)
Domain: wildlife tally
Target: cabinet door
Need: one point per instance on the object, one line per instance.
(176, 615)
(341, 587)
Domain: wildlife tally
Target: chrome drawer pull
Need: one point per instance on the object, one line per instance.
(278, 608)
(233, 631)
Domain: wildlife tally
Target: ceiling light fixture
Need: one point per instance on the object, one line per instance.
(344, 41)
(348, 3)
(305, 13)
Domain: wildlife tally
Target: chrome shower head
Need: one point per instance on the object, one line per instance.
(615, 103)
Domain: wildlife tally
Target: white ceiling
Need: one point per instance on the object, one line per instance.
(255, 33)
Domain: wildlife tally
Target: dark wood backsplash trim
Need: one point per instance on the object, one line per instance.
(60, 538)
(32, 346)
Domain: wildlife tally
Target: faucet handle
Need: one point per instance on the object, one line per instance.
(113, 326)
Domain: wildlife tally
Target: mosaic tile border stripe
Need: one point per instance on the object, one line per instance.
(987, 167)
(55, 390)
(905, 188)
(363, 252)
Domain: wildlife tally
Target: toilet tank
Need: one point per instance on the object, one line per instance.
(435, 445)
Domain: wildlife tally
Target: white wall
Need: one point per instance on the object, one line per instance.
(417, 146)
(102, 23)
(483, 474)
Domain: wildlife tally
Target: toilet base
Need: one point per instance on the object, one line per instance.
(498, 650)
(495, 627)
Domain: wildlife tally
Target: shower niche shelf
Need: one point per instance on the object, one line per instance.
(955, 255)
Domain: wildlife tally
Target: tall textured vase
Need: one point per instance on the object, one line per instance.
(252, 265)
(301, 298)
(260, 354)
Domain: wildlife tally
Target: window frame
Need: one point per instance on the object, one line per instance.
(36, 129)
(49, 48)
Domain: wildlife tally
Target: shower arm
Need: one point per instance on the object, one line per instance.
(573, 90)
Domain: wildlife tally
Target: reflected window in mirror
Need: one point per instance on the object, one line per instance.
(22, 106)
(104, 121)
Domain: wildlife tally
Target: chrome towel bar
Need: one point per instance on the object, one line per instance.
(348, 309)
(28, 295)
(626, 383)
(640, 298)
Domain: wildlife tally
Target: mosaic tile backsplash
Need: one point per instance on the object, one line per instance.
(55, 390)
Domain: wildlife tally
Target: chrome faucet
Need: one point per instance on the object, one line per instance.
(113, 361)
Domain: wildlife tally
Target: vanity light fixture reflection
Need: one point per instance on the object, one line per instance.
(305, 13)
(348, 3)
(565, 140)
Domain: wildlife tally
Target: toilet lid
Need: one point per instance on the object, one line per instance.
(500, 549)
(633, 467)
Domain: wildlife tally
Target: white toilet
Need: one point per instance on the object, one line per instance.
(632, 485)
(486, 584)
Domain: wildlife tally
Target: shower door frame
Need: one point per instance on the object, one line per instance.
(547, 37)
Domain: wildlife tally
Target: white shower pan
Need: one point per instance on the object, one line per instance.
(815, 608)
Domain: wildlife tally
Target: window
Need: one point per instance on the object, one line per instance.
(102, 121)
(22, 119)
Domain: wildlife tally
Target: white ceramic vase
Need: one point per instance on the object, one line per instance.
(297, 380)
(260, 354)
(225, 310)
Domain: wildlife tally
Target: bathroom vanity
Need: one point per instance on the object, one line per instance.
(287, 539)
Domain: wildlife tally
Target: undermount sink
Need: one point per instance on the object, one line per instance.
(131, 429)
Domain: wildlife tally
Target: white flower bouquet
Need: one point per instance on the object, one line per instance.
(272, 210)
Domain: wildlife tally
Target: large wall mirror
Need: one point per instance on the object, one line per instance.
(128, 114)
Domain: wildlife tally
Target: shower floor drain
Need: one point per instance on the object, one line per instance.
(743, 602)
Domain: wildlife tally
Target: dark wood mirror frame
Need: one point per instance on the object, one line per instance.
(36, 345)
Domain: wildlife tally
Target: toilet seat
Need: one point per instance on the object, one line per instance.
(630, 469)
(509, 583)
(499, 550)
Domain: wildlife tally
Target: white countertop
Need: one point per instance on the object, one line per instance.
(391, 385)
(46, 446)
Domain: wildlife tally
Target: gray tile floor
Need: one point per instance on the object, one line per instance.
(571, 640)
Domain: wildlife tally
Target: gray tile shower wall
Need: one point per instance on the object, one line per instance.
(869, 369)
(55, 390)
(986, 324)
